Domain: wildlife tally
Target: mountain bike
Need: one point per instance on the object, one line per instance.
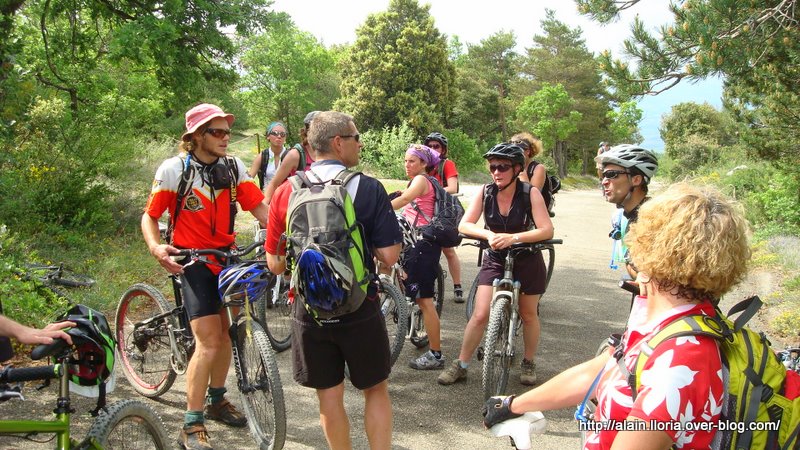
(55, 276)
(155, 344)
(128, 424)
(505, 322)
(273, 309)
(548, 253)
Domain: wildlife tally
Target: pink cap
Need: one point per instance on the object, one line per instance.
(201, 114)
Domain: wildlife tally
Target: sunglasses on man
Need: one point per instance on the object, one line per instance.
(218, 133)
(611, 174)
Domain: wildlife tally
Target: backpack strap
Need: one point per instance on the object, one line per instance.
(184, 185)
(431, 180)
(262, 171)
(692, 325)
(233, 168)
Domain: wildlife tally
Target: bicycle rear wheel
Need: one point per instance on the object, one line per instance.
(260, 387)
(275, 314)
(142, 345)
(394, 309)
(129, 424)
(470, 304)
(497, 358)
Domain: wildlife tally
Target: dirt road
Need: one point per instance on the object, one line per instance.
(581, 307)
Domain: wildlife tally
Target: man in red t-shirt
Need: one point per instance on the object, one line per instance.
(204, 220)
(448, 178)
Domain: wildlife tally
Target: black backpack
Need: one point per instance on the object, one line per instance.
(442, 228)
(552, 184)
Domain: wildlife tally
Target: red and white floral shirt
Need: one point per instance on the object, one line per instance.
(681, 383)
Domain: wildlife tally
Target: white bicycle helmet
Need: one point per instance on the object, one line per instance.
(409, 233)
(631, 157)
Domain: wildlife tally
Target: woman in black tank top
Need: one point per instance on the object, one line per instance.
(512, 212)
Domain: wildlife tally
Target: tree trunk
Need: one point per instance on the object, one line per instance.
(560, 158)
(585, 159)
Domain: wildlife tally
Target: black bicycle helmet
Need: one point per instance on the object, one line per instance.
(309, 117)
(631, 157)
(506, 150)
(436, 136)
(94, 344)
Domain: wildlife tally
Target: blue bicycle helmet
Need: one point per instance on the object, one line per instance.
(250, 278)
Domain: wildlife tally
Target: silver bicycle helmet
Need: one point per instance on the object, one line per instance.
(631, 157)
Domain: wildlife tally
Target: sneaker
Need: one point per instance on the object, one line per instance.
(452, 374)
(194, 437)
(527, 374)
(427, 362)
(226, 413)
(459, 294)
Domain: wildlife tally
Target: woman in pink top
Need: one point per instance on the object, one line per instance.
(420, 261)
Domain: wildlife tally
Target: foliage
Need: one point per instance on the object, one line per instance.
(485, 75)
(787, 323)
(398, 70)
(624, 126)
(780, 202)
(287, 74)
(756, 47)
(550, 114)
(384, 150)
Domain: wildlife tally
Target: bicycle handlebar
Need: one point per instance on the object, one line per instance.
(535, 245)
(234, 252)
(16, 375)
(44, 350)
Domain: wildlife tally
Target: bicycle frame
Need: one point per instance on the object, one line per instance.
(508, 287)
(60, 426)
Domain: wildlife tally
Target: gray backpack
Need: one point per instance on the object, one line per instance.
(325, 247)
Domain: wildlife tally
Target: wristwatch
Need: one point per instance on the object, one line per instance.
(516, 238)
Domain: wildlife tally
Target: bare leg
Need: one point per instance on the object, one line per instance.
(222, 363)
(333, 417)
(453, 264)
(209, 344)
(530, 324)
(432, 324)
(378, 416)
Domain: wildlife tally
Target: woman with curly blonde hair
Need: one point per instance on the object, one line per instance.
(535, 172)
(690, 246)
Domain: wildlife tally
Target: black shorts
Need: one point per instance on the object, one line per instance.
(529, 270)
(319, 353)
(421, 264)
(199, 289)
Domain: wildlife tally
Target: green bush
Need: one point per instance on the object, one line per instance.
(464, 151)
(384, 151)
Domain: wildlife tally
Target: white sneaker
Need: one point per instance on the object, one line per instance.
(427, 362)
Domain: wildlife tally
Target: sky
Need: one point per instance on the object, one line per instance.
(335, 22)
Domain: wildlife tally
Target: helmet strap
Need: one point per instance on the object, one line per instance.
(513, 180)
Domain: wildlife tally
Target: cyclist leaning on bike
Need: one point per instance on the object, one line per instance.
(204, 220)
(510, 217)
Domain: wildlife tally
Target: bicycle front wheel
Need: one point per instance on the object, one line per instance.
(549, 255)
(129, 424)
(142, 344)
(394, 310)
(275, 313)
(497, 355)
(260, 387)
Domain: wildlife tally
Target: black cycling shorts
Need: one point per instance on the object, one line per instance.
(319, 352)
(199, 289)
(529, 270)
(421, 264)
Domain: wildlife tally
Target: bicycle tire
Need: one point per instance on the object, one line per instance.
(438, 290)
(145, 353)
(469, 306)
(551, 261)
(262, 392)
(276, 317)
(129, 424)
(394, 309)
(496, 358)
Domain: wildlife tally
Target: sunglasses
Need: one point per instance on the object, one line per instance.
(277, 133)
(356, 136)
(218, 133)
(611, 174)
(521, 144)
(502, 168)
(435, 146)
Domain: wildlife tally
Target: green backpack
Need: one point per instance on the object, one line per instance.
(325, 247)
(753, 376)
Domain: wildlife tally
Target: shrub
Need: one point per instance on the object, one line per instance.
(384, 151)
